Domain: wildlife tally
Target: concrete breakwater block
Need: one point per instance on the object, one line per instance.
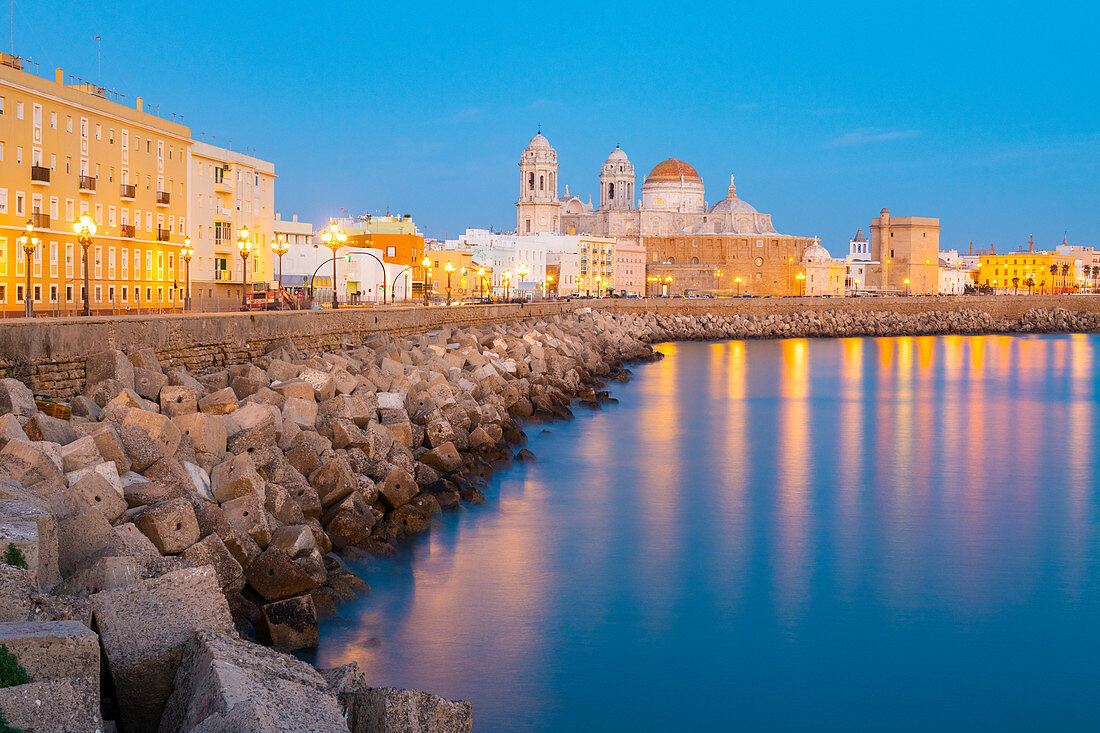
(145, 627)
(62, 660)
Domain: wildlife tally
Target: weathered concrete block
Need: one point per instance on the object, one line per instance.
(235, 478)
(132, 541)
(397, 488)
(171, 525)
(177, 400)
(109, 445)
(275, 575)
(211, 550)
(141, 448)
(226, 684)
(144, 628)
(296, 389)
(24, 535)
(389, 710)
(222, 402)
(301, 412)
(333, 481)
(292, 623)
(280, 504)
(324, 387)
(247, 516)
(14, 510)
(116, 571)
(148, 383)
(444, 458)
(50, 429)
(16, 398)
(28, 463)
(159, 427)
(61, 705)
(252, 427)
(296, 540)
(80, 453)
(11, 429)
(95, 491)
(51, 649)
(105, 470)
(207, 432)
(111, 364)
(82, 538)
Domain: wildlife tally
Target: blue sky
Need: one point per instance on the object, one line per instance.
(983, 115)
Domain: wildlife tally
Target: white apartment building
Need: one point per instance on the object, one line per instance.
(229, 190)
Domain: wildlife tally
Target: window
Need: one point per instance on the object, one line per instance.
(37, 293)
(3, 200)
(69, 266)
(53, 293)
(68, 293)
(68, 123)
(19, 203)
(53, 261)
(123, 293)
(98, 130)
(99, 293)
(19, 110)
(111, 293)
(53, 120)
(19, 155)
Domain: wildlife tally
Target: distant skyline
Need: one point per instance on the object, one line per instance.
(984, 116)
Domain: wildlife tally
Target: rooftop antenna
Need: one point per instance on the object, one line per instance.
(13, 28)
(99, 56)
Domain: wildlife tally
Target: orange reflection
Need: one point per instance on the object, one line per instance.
(793, 480)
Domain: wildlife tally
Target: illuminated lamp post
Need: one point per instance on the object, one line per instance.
(789, 261)
(334, 238)
(738, 281)
(280, 248)
(668, 285)
(906, 282)
(549, 285)
(580, 283)
(522, 271)
(449, 267)
(599, 280)
(187, 253)
(244, 246)
(801, 278)
(427, 265)
(481, 283)
(886, 276)
(507, 278)
(718, 282)
(85, 229)
(30, 244)
(462, 282)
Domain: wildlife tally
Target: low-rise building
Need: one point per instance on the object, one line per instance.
(1040, 272)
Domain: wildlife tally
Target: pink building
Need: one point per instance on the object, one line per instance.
(629, 271)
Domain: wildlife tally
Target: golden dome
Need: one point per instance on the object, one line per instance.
(671, 170)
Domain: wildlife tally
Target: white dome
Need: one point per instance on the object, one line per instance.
(617, 156)
(816, 253)
(538, 142)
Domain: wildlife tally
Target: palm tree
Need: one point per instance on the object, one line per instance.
(1065, 278)
(1053, 272)
(1088, 272)
(1030, 284)
(1016, 286)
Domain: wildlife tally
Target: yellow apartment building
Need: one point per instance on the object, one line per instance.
(67, 149)
(1028, 272)
(464, 276)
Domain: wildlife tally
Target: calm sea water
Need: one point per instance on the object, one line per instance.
(895, 533)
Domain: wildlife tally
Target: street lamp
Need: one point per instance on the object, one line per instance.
(481, 283)
(886, 276)
(280, 248)
(85, 229)
(507, 278)
(801, 278)
(522, 271)
(580, 282)
(738, 281)
(718, 282)
(549, 285)
(187, 253)
(244, 246)
(30, 243)
(427, 265)
(668, 285)
(449, 267)
(789, 261)
(599, 279)
(462, 282)
(334, 238)
(906, 283)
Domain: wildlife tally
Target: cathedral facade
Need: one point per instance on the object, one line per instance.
(686, 240)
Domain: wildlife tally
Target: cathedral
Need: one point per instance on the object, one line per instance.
(686, 241)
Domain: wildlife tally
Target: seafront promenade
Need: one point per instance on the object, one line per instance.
(49, 354)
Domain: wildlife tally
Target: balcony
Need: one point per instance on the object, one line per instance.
(221, 213)
(127, 230)
(40, 220)
(223, 185)
(40, 174)
(163, 198)
(163, 235)
(128, 191)
(223, 275)
(87, 184)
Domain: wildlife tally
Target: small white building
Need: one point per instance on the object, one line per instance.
(858, 263)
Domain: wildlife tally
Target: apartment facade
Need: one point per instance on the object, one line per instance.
(230, 190)
(67, 150)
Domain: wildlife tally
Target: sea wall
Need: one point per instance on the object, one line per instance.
(49, 354)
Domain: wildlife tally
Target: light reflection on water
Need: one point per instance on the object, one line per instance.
(849, 533)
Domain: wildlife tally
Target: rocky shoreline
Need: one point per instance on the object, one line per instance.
(176, 525)
(182, 524)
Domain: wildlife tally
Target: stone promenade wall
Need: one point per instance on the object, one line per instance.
(49, 354)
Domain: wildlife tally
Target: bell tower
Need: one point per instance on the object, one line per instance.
(617, 182)
(538, 208)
